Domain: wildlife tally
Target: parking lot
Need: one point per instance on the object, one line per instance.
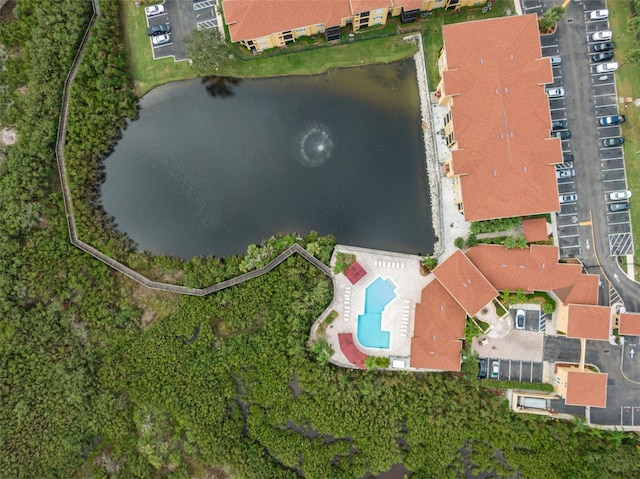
(516, 370)
(600, 90)
(534, 320)
(183, 17)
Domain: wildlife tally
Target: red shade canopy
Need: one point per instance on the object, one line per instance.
(355, 272)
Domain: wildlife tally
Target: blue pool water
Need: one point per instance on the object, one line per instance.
(377, 295)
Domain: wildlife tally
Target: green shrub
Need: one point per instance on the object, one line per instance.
(374, 362)
(495, 226)
(343, 261)
(472, 240)
(459, 242)
(498, 384)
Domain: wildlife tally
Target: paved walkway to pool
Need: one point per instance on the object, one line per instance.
(398, 315)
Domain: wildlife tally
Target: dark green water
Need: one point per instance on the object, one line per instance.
(209, 169)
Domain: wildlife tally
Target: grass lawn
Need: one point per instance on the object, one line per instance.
(629, 86)
(148, 73)
(369, 48)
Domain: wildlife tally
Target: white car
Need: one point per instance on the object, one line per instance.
(620, 195)
(565, 173)
(568, 198)
(520, 318)
(607, 67)
(555, 92)
(154, 10)
(161, 39)
(602, 36)
(599, 14)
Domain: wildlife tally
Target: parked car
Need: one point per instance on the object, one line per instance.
(495, 369)
(567, 158)
(619, 206)
(154, 10)
(161, 39)
(602, 57)
(604, 46)
(559, 124)
(555, 60)
(602, 36)
(613, 142)
(158, 29)
(612, 120)
(620, 195)
(565, 173)
(520, 317)
(562, 134)
(607, 67)
(482, 369)
(568, 198)
(555, 92)
(599, 14)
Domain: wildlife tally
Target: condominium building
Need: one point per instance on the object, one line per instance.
(263, 24)
(493, 78)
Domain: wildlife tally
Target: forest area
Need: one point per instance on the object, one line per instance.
(101, 378)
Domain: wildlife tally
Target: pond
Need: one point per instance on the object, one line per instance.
(216, 164)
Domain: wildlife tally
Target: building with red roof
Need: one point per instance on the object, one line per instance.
(589, 322)
(581, 387)
(497, 127)
(629, 324)
(438, 330)
(263, 24)
(465, 283)
(535, 230)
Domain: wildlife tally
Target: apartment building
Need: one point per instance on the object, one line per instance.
(493, 78)
(262, 24)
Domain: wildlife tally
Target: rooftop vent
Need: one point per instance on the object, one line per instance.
(526, 169)
(506, 89)
(511, 134)
(512, 56)
(482, 61)
(495, 173)
(497, 92)
(504, 265)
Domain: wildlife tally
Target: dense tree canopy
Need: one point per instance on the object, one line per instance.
(102, 378)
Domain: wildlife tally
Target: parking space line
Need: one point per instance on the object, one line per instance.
(520, 375)
(619, 222)
(607, 105)
(614, 169)
(568, 236)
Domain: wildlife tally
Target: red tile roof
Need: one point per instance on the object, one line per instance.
(249, 19)
(355, 272)
(586, 389)
(500, 114)
(438, 328)
(350, 350)
(589, 321)
(408, 4)
(535, 230)
(465, 283)
(534, 269)
(629, 324)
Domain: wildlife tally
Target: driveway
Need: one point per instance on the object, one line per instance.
(623, 396)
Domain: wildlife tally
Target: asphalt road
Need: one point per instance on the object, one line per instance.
(587, 230)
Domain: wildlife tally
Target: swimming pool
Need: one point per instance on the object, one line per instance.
(369, 330)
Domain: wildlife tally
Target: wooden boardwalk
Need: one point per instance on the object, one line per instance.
(71, 220)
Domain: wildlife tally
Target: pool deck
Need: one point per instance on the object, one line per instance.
(398, 315)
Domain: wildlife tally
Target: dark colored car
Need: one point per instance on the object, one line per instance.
(562, 134)
(612, 120)
(559, 124)
(602, 57)
(567, 158)
(604, 46)
(619, 206)
(482, 369)
(613, 142)
(158, 29)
